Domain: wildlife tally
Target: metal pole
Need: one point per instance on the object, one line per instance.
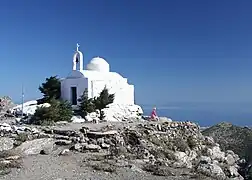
(22, 101)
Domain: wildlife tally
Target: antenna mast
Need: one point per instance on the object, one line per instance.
(22, 101)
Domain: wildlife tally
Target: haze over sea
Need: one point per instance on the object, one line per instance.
(206, 114)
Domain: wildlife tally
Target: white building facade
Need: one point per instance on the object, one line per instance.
(95, 77)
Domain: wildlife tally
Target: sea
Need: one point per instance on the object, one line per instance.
(205, 114)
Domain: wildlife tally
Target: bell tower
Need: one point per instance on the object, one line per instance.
(77, 59)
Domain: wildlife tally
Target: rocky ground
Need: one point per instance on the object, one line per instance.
(229, 136)
(119, 150)
(239, 139)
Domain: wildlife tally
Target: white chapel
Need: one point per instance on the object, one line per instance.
(95, 77)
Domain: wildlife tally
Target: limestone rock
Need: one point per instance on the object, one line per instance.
(105, 146)
(205, 159)
(5, 104)
(92, 147)
(182, 160)
(230, 159)
(119, 112)
(216, 154)
(64, 152)
(233, 172)
(35, 146)
(77, 119)
(77, 147)
(212, 170)
(6, 143)
(65, 132)
(29, 107)
(4, 127)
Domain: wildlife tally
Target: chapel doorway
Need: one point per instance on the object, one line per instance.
(74, 95)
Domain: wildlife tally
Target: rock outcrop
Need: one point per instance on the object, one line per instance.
(117, 112)
(29, 108)
(5, 105)
(235, 138)
(163, 149)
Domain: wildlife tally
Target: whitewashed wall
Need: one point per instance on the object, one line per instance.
(124, 93)
(66, 84)
(95, 82)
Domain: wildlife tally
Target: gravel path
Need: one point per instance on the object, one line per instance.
(49, 167)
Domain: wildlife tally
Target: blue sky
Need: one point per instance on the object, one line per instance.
(173, 51)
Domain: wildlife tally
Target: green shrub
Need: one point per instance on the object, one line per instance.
(181, 144)
(58, 111)
(191, 142)
(22, 137)
(103, 100)
(86, 104)
(50, 90)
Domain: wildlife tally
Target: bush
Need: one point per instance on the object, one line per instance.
(181, 144)
(86, 104)
(103, 100)
(50, 89)
(191, 142)
(22, 137)
(58, 111)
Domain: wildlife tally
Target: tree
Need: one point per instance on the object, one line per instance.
(86, 104)
(50, 89)
(65, 111)
(103, 100)
(58, 111)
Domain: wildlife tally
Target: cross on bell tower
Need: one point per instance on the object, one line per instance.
(78, 58)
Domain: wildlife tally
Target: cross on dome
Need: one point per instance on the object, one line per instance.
(77, 46)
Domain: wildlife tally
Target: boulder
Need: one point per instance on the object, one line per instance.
(35, 146)
(5, 104)
(119, 112)
(6, 143)
(64, 152)
(216, 154)
(182, 160)
(4, 127)
(233, 172)
(91, 147)
(211, 170)
(77, 119)
(229, 159)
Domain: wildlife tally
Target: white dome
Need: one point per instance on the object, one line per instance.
(98, 64)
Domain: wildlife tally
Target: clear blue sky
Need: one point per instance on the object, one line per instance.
(173, 51)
